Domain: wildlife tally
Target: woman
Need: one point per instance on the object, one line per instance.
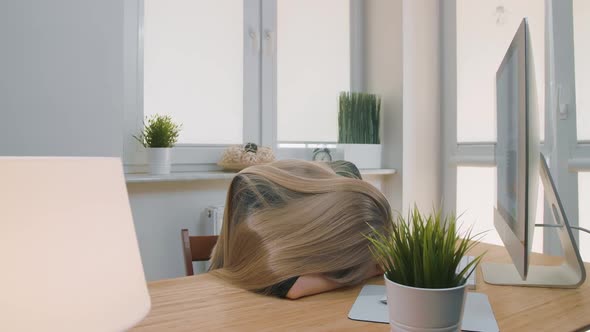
(296, 228)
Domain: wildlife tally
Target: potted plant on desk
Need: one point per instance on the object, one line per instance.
(159, 136)
(420, 258)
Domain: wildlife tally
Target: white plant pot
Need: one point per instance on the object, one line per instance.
(362, 155)
(423, 309)
(159, 160)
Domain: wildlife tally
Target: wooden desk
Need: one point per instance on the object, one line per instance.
(206, 303)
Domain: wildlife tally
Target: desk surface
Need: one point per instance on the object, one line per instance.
(206, 303)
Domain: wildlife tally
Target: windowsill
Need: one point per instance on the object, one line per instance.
(178, 177)
(218, 175)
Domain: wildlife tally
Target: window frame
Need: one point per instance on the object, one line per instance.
(260, 90)
(189, 157)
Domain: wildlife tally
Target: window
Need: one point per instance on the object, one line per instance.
(584, 198)
(476, 200)
(236, 71)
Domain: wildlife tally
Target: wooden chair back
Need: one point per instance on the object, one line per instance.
(196, 249)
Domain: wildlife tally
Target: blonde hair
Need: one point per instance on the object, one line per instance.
(292, 218)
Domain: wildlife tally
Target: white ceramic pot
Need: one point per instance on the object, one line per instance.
(364, 156)
(159, 160)
(422, 309)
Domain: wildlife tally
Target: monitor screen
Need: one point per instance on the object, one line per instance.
(507, 148)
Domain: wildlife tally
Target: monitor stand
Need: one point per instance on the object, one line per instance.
(570, 274)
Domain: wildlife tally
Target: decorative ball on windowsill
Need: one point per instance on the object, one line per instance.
(251, 147)
(237, 157)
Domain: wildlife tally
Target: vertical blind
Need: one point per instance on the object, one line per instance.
(193, 67)
(313, 67)
(581, 56)
(484, 33)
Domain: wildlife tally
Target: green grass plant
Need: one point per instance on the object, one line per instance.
(359, 117)
(424, 251)
(159, 132)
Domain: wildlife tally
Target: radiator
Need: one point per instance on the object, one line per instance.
(214, 216)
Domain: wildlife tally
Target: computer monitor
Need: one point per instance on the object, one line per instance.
(519, 164)
(517, 149)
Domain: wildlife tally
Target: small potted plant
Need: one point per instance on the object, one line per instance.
(159, 136)
(419, 256)
(359, 116)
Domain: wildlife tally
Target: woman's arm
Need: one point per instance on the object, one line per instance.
(317, 283)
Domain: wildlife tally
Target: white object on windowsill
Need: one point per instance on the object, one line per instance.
(159, 160)
(362, 155)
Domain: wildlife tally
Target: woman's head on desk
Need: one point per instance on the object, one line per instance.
(296, 228)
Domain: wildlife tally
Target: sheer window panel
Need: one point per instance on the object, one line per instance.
(484, 33)
(475, 200)
(582, 65)
(476, 195)
(584, 213)
(193, 67)
(313, 67)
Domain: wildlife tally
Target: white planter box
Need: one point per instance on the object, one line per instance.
(364, 156)
(159, 160)
(422, 309)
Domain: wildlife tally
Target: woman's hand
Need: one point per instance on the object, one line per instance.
(311, 284)
(374, 271)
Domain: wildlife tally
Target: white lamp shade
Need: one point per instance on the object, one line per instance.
(69, 259)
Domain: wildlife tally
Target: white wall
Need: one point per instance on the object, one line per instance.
(61, 77)
(160, 211)
(383, 76)
(421, 104)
